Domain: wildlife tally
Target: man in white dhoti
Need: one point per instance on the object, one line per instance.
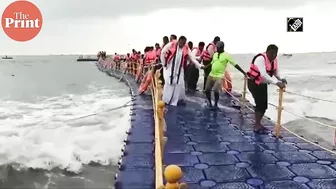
(174, 57)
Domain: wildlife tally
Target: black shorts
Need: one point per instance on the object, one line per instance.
(260, 95)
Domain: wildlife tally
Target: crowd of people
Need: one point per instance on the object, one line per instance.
(180, 62)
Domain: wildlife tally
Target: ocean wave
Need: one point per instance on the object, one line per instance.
(40, 135)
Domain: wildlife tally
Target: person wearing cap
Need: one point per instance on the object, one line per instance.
(220, 59)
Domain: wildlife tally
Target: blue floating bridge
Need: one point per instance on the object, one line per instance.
(218, 149)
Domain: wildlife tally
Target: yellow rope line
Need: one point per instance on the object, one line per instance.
(157, 140)
(300, 137)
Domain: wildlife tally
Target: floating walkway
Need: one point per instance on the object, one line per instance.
(215, 149)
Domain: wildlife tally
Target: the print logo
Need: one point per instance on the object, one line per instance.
(22, 21)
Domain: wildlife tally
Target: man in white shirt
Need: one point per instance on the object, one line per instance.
(194, 72)
(263, 67)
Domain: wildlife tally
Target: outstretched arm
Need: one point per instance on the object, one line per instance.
(194, 52)
(233, 63)
(193, 59)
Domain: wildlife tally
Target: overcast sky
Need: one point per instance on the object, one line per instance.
(86, 26)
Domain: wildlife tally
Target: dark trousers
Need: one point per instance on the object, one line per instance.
(118, 65)
(260, 95)
(207, 71)
(192, 75)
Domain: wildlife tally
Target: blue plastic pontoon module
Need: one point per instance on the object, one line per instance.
(219, 150)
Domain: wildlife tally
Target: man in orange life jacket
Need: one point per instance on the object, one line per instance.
(157, 50)
(207, 58)
(192, 73)
(197, 52)
(150, 56)
(263, 67)
(175, 56)
(173, 37)
(147, 48)
(116, 59)
(128, 62)
(165, 41)
(187, 71)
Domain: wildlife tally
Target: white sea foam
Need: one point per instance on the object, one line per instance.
(40, 135)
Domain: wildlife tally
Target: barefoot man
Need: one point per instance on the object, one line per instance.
(263, 67)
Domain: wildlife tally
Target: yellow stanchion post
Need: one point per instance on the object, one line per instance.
(279, 108)
(244, 96)
(334, 148)
(136, 65)
(160, 109)
(158, 148)
(163, 120)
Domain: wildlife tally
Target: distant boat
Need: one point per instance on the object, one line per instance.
(86, 59)
(287, 55)
(7, 57)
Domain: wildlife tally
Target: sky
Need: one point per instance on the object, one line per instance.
(246, 26)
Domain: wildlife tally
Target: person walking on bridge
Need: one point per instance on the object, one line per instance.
(207, 58)
(218, 67)
(173, 37)
(263, 67)
(187, 71)
(175, 56)
(165, 41)
(194, 72)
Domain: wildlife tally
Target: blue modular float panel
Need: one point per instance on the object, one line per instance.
(219, 150)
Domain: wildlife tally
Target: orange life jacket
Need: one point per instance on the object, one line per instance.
(134, 56)
(158, 52)
(199, 52)
(206, 55)
(171, 56)
(150, 57)
(116, 58)
(172, 52)
(271, 68)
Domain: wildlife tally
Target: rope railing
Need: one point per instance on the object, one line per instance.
(279, 107)
(310, 97)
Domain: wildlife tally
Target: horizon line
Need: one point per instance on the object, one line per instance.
(71, 54)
